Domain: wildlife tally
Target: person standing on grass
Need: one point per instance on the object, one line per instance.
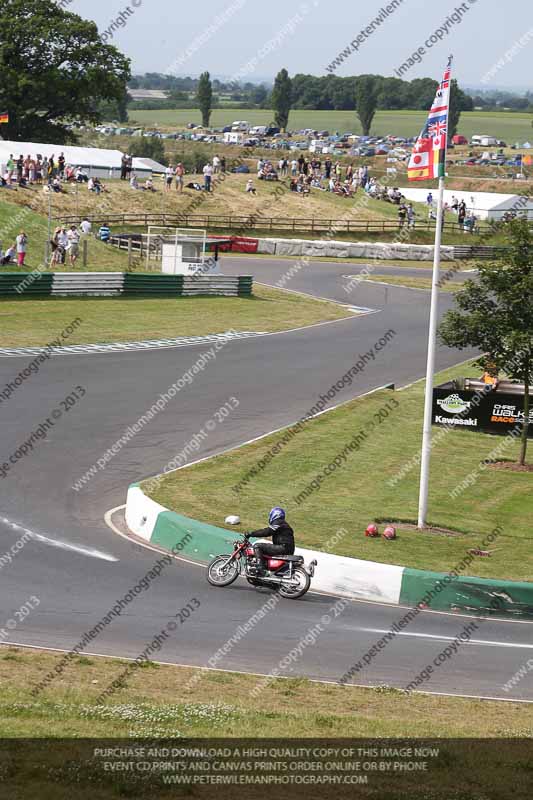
(208, 172)
(62, 241)
(169, 174)
(73, 236)
(85, 226)
(21, 244)
(223, 165)
(216, 165)
(10, 169)
(411, 214)
(180, 172)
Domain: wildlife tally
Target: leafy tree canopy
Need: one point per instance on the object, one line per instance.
(54, 68)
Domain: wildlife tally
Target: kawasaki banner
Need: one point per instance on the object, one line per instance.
(489, 411)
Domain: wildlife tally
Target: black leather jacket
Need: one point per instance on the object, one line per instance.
(283, 535)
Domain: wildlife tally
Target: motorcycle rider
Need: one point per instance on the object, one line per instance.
(282, 538)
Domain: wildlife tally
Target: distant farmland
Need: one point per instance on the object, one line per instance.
(504, 125)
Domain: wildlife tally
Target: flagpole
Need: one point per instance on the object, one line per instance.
(430, 369)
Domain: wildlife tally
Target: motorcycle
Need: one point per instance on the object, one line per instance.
(288, 574)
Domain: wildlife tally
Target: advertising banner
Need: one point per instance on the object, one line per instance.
(485, 410)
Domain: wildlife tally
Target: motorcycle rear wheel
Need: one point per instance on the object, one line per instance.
(296, 585)
(222, 571)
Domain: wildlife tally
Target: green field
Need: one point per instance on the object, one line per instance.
(360, 492)
(504, 125)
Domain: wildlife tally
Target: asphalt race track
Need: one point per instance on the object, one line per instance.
(78, 567)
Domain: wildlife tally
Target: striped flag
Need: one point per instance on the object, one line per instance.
(4, 117)
(428, 159)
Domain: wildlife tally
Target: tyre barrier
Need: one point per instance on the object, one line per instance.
(113, 284)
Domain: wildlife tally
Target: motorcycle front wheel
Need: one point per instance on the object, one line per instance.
(222, 570)
(296, 585)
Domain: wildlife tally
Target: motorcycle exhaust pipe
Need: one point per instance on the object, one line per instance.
(311, 567)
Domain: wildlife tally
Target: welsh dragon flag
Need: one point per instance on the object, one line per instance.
(428, 159)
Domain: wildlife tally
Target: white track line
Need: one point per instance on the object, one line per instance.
(443, 638)
(76, 548)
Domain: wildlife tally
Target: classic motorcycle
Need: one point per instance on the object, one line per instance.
(288, 574)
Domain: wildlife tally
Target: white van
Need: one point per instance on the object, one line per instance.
(484, 141)
(240, 125)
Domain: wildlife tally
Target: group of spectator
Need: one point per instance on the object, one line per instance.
(39, 170)
(467, 219)
(65, 242)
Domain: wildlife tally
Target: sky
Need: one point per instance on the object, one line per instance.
(243, 39)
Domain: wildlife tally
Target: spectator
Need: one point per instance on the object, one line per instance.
(216, 165)
(73, 246)
(208, 172)
(62, 244)
(56, 185)
(61, 165)
(134, 183)
(10, 169)
(411, 214)
(429, 200)
(327, 168)
(169, 174)
(129, 166)
(21, 244)
(149, 186)
(85, 226)
(54, 248)
(104, 233)
(402, 214)
(9, 256)
(180, 172)
(20, 169)
(250, 186)
(294, 167)
(123, 166)
(223, 164)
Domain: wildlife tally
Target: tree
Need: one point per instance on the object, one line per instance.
(148, 147)
(496, 315)
(281, 98)
(459, 101)
(54, 69)
(204, 96)
(366, 101)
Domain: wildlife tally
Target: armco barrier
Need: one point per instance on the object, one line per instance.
(112, 284)
(474, 595)
(339, 575)
(339, 249)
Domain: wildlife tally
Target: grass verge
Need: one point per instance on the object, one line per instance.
(296, 707)
(28, 322)
(369, 484)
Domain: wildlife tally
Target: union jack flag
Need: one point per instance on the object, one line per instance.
(437, 128)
